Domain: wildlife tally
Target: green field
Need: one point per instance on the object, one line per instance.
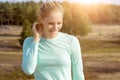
(100, 52)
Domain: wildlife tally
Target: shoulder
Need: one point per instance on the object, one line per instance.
(28, 39)
(68, 36)
(68, 39)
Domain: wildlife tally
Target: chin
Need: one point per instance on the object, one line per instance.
(54, 34)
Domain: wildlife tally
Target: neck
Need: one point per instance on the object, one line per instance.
(48, 36)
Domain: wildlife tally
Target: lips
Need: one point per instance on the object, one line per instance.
(53, 32)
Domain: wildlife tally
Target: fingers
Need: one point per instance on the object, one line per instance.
(34, 27)
(37, 29)
(35, 32)
(35, 23)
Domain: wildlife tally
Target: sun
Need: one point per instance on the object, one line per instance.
(89, 1)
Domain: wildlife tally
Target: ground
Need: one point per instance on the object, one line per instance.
(100, 53)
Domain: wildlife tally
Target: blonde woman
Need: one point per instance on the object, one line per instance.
(51, 54)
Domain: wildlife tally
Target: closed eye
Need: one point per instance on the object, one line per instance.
(51, 23)
(59, 23)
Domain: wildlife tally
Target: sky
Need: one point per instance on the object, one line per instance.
(81, 1)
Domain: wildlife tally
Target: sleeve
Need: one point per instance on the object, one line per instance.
(76, 60)
(29, 59)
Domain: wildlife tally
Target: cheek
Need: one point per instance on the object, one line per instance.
(46, 28)
(60, 26)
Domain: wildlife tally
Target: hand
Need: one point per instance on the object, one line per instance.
(37, 31)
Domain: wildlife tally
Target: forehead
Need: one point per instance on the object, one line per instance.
(54, 16)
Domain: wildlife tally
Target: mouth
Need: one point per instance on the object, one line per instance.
(53, 32)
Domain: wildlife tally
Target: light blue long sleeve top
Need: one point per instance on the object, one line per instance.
(58, 58)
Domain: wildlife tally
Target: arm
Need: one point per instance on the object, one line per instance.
(76, 60)
(29, 60)
(30, 50)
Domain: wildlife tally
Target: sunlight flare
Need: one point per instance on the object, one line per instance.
(89, 1)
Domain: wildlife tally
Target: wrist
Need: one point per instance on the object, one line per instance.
(36, 39)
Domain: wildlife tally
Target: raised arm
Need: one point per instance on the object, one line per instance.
(29, 59)
(30, 49)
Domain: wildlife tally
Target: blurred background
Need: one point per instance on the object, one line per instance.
(96, 23)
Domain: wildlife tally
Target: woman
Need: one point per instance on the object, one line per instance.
(50, 54)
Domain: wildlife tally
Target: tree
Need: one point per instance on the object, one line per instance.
(26, 31)
(76, 21)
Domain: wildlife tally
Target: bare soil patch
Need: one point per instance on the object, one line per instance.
(100, 51)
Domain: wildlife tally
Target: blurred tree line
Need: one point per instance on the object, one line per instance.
(77, 17)
(103, 13)
(16, 13)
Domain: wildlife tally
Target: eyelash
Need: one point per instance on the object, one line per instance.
(53, 23)
(58, 23)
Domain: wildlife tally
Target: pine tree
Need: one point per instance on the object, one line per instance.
(26, 31)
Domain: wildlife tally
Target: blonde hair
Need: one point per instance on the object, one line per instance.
(48, 7)
(45, 9)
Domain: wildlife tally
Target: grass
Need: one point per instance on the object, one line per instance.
(104, 50)
(10, 67)
(100, 53)
(15, 74)
(99, 46)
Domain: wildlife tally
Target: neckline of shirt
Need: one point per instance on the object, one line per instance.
(51, 39)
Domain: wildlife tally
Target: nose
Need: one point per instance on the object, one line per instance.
(55, 27)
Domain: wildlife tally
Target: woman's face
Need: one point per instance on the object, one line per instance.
(52, 24)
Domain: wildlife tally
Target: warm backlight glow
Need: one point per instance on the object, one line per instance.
(89, 1)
